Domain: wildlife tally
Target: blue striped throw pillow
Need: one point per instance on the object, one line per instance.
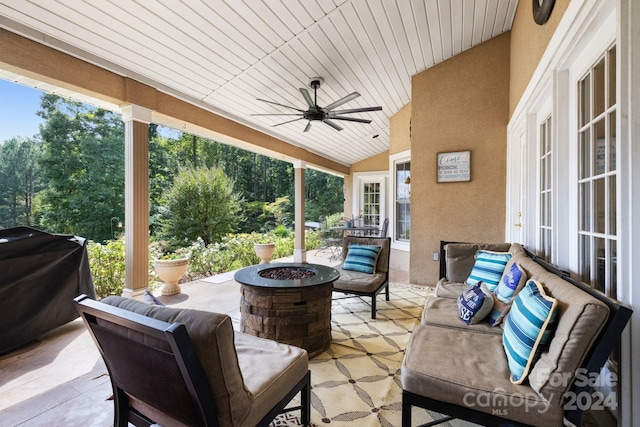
(528, 329)
(362, 258)
(488, 268)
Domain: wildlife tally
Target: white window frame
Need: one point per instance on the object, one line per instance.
(401, 157)
(359, 178)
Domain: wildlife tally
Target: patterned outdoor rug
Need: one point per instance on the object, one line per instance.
(357, 381)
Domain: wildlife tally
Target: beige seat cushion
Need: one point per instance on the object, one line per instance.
(357, 281)
(444, 312)
(470, 369)
(269, 370)
(448, 289)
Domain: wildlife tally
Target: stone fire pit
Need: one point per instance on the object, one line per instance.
(289, 303)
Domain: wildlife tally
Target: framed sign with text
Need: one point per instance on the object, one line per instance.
(454, 167)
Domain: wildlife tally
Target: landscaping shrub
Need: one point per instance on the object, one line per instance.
(235, 251)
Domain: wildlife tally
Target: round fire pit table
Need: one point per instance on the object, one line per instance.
(288, 302)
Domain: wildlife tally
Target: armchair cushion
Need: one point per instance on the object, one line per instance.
(361, 258)
(268, 381)
(357, 281)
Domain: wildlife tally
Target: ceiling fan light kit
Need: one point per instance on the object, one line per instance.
(326, 114)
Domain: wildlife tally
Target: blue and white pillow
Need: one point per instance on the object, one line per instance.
(151, 299)
(512, 281)
(475, 303)
(488, 268)
(362, 258)
(528, 329)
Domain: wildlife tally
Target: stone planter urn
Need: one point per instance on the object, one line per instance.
(264, 251)
(170, 271)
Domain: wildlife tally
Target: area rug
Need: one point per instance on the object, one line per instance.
(356, 382)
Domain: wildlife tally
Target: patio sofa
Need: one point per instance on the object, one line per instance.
(462, 369)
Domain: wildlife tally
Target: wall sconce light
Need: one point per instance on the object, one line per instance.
(408, 180)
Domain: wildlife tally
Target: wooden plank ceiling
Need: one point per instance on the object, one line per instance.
(224, 54)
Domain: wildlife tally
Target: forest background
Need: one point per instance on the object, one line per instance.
(69, 179)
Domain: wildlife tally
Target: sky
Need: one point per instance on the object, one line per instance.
(18, 106)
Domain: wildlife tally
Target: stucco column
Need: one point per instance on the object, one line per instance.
(299, 250)
(136, 199)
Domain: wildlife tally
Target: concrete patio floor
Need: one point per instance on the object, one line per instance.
(60, 379)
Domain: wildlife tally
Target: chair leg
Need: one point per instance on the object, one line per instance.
(305, 402)
(387, 291)
(373, 306)
(406, 412)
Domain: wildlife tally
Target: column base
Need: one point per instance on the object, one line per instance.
(133, 293)
(299, 255)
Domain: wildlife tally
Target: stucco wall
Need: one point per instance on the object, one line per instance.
(400, 130)
(528, 43)
(460, 104)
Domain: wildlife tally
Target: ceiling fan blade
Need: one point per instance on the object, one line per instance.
(351, 119)
(356, 110)
(341, 101)
(289, 121)
(306, 129)
(307, 97)
(281, 105)
(332, 124)
(276, 114)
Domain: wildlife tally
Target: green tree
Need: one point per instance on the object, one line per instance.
(201, 203)
(83, 164)
(324, 194)
(19, 181)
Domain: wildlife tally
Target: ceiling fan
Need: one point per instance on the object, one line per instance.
(325, 114)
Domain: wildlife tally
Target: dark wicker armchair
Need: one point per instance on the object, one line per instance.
(188, 367)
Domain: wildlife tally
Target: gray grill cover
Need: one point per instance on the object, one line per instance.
(40, 275)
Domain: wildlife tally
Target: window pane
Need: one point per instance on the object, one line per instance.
(599, 205)
(599, 148)
(613, 269)
(598, 88)
(612, 141)
(585, 153)
(613, 211)
(612, 77)
(403, 221)
(585, 101)
(585, 206)
(585, 259)
(402, 173)
(601, 264)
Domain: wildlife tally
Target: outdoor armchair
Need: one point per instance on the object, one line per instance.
(188, 367)
(361, 283)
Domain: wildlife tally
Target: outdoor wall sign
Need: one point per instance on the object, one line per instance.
(454, 167)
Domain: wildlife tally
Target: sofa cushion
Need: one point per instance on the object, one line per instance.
(362, 258)
(469, 369)
(212, 336)
(488, 268)
(528, 329)
(443, 312)
(475, 303)
(512, 281)
(448, 289)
